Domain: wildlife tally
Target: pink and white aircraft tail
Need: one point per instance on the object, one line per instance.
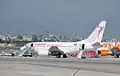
(97, 34)
(42, 48)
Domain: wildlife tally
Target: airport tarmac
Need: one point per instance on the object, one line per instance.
(50, 66)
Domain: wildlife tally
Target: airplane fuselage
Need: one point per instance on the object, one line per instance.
(42, 48)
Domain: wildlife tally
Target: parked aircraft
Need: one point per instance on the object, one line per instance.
(42, 48)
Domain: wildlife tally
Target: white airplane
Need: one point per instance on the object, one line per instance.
(42, 48)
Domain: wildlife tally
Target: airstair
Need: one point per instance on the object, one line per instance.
(28, 51)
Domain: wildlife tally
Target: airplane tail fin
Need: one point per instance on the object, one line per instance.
(97, 34)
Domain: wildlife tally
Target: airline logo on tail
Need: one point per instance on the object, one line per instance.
(100, 31)
(100, 27)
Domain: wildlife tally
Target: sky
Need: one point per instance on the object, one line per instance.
(60, 17)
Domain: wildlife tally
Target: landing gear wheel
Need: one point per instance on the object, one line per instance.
(82, 57)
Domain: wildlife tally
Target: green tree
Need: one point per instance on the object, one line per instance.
(34, 38)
